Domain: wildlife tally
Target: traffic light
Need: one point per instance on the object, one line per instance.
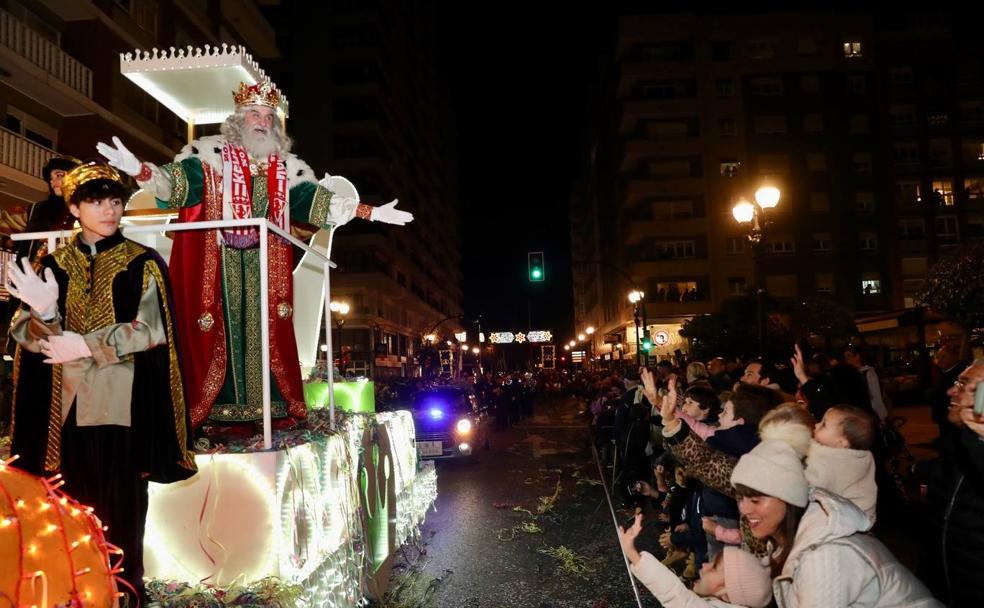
(647, 342)
(535, 260)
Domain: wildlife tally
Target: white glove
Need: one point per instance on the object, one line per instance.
(64, 348)
(25, 285)
(389, 214)
(120, 157)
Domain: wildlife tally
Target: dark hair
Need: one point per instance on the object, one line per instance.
(784, 535)
(99, 189)
(664, 363)
(752, 402)
(58, 163)
(857, 426)
(707, 399)
(768, 369)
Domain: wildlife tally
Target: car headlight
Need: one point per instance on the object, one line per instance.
(464, 426)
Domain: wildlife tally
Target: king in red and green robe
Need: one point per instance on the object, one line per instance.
(216, 274)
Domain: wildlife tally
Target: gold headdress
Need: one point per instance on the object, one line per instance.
(87, 172)
(260, 94)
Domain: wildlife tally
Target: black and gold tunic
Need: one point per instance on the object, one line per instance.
(115, 294)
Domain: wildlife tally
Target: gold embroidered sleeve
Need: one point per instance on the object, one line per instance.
(178, 184)
(114, 342)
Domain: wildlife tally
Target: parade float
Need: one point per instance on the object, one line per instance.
(310, 516)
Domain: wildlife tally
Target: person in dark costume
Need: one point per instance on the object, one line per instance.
(49, 214)
(98, 390)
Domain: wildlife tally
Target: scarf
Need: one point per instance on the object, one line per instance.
(237, 195)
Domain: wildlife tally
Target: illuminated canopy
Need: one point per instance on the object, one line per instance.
(194, 83)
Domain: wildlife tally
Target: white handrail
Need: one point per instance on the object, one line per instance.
(265, 227)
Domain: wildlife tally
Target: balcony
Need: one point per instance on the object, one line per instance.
(39, 69)
(21, 162)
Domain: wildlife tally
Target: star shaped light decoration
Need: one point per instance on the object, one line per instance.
(521, 337)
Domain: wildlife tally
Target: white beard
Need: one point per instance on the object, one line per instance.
(259, 145)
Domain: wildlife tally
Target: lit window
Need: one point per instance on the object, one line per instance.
(730, 169)
(852, 48)
(870, 286)
(943, 193)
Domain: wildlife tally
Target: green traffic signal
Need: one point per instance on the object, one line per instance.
(534, 261)
(647, 342)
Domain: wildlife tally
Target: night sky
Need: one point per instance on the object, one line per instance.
(520, 84)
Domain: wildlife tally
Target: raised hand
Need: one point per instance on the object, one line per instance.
(25, 285)
(799, 367)
(389, 214)
(120, 157)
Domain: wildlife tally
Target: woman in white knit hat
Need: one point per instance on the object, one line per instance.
(821, 554)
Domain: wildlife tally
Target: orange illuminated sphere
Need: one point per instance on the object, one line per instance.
(52, 548)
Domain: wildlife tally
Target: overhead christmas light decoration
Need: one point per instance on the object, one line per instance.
(502, 337)
(508, 337)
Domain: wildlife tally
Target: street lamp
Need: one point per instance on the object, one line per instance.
(590, 330)
(636, 298)
(572, 343)
(581, 337)
(755, 218)
(340, 309)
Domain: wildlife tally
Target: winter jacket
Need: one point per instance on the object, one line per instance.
(955, 551)
(845, 472)
(833, 563)
(712, 468)
(736, 441)
(667, 586)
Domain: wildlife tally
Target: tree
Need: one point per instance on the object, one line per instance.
(953, 288)
(733, 332)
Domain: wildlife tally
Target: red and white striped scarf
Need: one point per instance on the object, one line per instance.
(237, 195)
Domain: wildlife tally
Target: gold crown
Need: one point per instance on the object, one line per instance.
(86, 173)
(260, 94)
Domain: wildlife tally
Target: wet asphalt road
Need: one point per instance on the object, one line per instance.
(477, 551)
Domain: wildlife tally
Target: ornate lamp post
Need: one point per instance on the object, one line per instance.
(754, 216)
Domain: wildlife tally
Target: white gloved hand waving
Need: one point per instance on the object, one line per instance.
(120, 157)
(25, 285)
(389, 214)
(69, 346)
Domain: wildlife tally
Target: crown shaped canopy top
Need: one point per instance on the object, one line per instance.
(197, 84)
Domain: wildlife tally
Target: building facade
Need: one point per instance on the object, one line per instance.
(869, 124)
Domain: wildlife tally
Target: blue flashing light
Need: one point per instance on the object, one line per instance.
(436, 413)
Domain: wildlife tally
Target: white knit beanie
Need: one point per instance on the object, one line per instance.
(774, 469)
(747, 579)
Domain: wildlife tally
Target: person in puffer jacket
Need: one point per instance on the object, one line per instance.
(822, 554)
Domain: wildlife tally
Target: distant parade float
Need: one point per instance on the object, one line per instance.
(307, 515)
